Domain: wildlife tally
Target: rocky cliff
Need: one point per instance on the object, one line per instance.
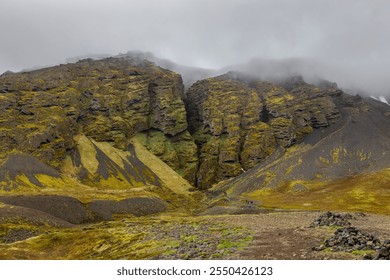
(238, 123)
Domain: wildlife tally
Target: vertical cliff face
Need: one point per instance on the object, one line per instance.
(238, 124)
(225, 120)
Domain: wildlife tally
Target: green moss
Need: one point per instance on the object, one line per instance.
(362, 193)
(130, 238)
(229, 244)
(88, 243)
(87, 153)
(189, 238)
(284, 122)
(363, 252)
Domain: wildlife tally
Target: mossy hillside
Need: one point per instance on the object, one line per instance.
(73, 188)
(101, 164)
(102, 172)
(362, 193)
(97, 164)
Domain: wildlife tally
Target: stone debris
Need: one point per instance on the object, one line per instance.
(350, 239)
(383, 253)
(332, 219)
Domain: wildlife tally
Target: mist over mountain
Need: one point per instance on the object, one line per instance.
(189, 74)
(341, 41)
(314, 71)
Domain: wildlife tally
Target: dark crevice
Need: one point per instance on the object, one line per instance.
(264, 114)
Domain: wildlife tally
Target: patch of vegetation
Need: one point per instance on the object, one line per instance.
(362, 193)
(230, 244)
(363, 252)
(154, 237)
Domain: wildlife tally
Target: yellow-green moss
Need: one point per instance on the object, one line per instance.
(87, 153)
(365, 193)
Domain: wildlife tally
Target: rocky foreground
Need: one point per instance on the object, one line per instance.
(273, 235)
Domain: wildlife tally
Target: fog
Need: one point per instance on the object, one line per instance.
(343, 41)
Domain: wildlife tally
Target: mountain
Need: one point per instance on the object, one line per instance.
(106, 131)
(77, 130)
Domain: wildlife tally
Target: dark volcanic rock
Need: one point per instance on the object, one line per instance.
(332, 219)
(66, 208)
(138, 206)
(351, 239)
(15, 235)
(72, 210)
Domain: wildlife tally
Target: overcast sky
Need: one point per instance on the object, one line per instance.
(351, 38)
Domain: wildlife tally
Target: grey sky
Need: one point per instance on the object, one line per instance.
(348, 38)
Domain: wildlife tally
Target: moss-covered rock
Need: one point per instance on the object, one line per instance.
(223, 114)
(238, 123)
(179, 151)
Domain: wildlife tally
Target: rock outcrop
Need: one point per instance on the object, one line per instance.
(225, 120)
(238, 124)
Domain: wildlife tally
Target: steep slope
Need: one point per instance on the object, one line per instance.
(69, 130)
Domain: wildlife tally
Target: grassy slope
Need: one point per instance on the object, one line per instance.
(366, 193)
